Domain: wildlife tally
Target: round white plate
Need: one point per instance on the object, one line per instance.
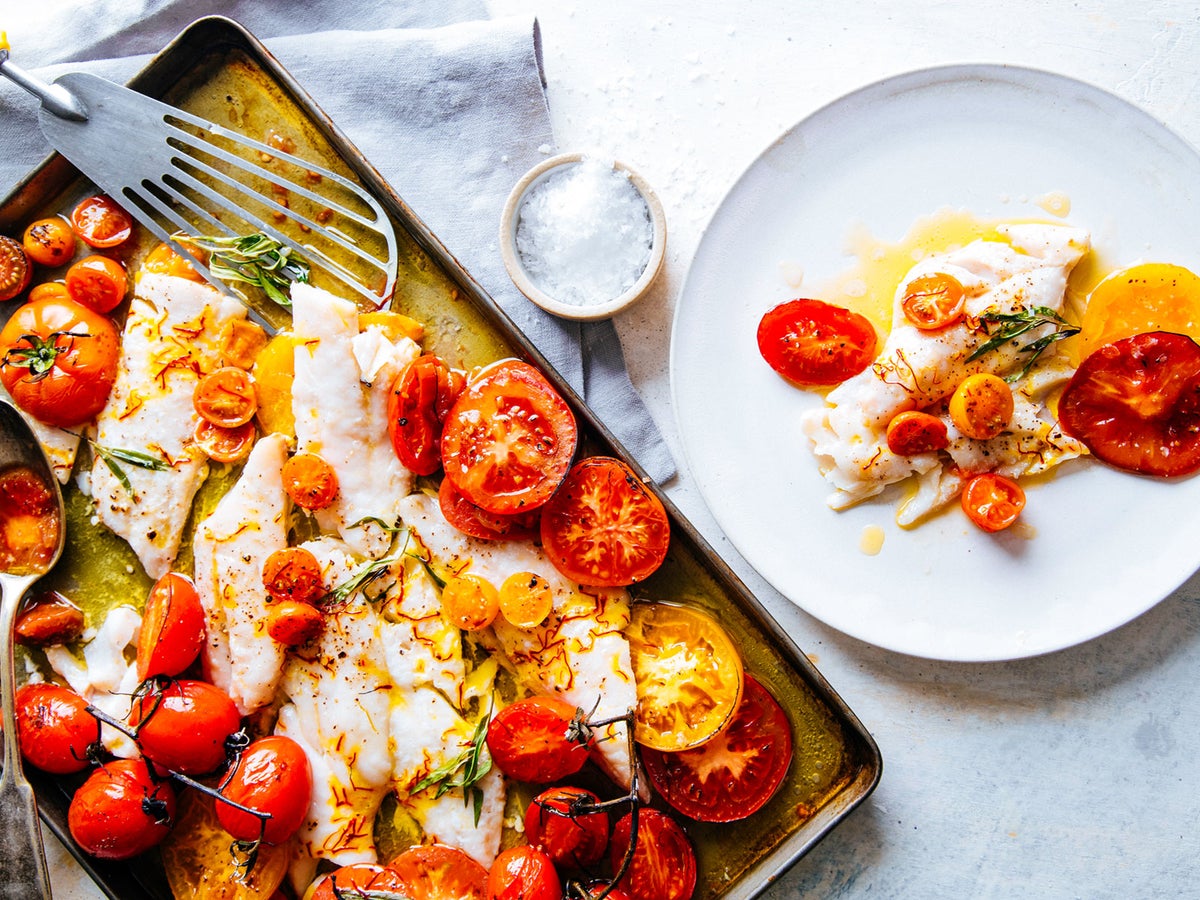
(1105, 546)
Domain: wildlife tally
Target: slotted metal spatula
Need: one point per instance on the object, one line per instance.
(176, 172)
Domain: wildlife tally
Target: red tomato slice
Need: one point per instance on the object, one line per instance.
(272, 776)
(182, 726)
(418, 405)
(55, 730)
(664, 861)
(100, 222)
(523, 873)
(477, 522)
(932, 302)
(1135, 403)
(509, 438)
(531, 741)
(811, 342)
(438, 872)
(734, 774)
(992, 501)
(604, 527)
(172, 627)
(121, 810)
(558, 824)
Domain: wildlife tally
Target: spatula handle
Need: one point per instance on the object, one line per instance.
(55, 98)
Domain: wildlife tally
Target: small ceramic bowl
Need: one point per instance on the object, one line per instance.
(516, 269)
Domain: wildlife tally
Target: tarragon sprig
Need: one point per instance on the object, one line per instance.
(360, 579)
(112, 455)
(254, 259)
(463, 771)
(1013, 325)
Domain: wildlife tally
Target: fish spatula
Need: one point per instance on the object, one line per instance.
(180, 174)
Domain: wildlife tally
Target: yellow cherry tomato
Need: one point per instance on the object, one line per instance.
(982, 406)
(470, 602)
(526, 599)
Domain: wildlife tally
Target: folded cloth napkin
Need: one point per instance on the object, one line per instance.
(448, 105)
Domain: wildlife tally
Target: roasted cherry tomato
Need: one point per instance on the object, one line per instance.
(734, 774)
(1135, 403)
(559, 823)
(172, 627)
(272, 776)
(933, 301)
(992, 501)
(15, 269)
(121, 810)
(533, 740)
(97, 282)
(310, 481)
(59, 360)
(56, 732)
(438, 872)
(664, 861)
(182, 725)
(509, 438)
(227, 445)
(523, 873)
(471, 519)
(470, 601)
(419, 403)
(913, 432)
(981, 407)
(356, 880)
(49, 619)
(100, 222)
(526, 599)
(811, 342)
(293, 623)
(293, 573)
(162, 260)
(49, 242)
(604, 527)
(689, 675)
(225, 397)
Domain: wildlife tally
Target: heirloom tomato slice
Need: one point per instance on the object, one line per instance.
(664, 861)
(478, 522)
(811, 342)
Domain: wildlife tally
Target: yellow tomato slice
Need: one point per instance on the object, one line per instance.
(273, 372)
(1146, 297)
(689, 675)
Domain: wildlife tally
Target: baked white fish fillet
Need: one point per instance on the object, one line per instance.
(172, 338)
(339, 398)
(230, 548)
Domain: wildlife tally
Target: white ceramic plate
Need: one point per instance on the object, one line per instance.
(1106, 546)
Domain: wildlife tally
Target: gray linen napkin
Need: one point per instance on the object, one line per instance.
(449, 106)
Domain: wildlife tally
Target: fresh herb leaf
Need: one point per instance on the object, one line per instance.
(1013, 325)
(112, 455)
(254, 259)
(463, 771)
(361, 579)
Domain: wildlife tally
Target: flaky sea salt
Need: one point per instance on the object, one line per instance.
(584, 233)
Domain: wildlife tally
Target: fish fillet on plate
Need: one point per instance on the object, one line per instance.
(920, 370)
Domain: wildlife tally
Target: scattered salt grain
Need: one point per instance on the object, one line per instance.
(584, 233)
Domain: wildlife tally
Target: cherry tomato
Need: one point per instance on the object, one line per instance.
(992, 501)
(162, 260)
(1135, 403)
(97, 282)
(508, 439)
(734, 774)
(172, 627)
(811, 342)
(981, 406)
(293, 623)
(526, 599)
(310, 481)
(664, 861)
(438, 872)
(418, 405)
(56, 732)
(557, 823)
(272, 776)
(225, 397)
(49, 290)
(15, 269)
(49, 242)
(121, 810)
(913, 432)
(182, 725)
(293, 573)
(227, 445)
(604, 527)
(523, 873)
(471, 519)
(932, 302)
(59, 360)
(470, 601)
(347, 882)
(100, 222)
(531, 740)
(49, 619)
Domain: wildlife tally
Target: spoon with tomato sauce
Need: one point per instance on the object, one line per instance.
(31, 540)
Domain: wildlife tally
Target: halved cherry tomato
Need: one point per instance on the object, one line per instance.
(438, 872)
(733, 775)
(356, 880)
(272, 776)
(533, 740)
(310, 481)
(292, 623)
(49, 242)
(523, 873)
(470, 601)
(664, 861)
(59, 360)
(689, 675)
(526, 599)
(418, 405)
(227, 445)
(15, 269)
(603, 526)
(121, 810)
(49, 619)
(182, 725)
(54, 728)
(981, 406)
(934, 301)
(558, 823)
(162, 260)
(471, 519)
(172, 627)
(912, 432)
(225, 397)
(1135, 403)
(992, 501)
(97, 282)
(293, 573)
(811, 342)
(508, 439)
(49, 290)
(100, 222)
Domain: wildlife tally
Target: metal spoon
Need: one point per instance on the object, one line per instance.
(23, 871)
